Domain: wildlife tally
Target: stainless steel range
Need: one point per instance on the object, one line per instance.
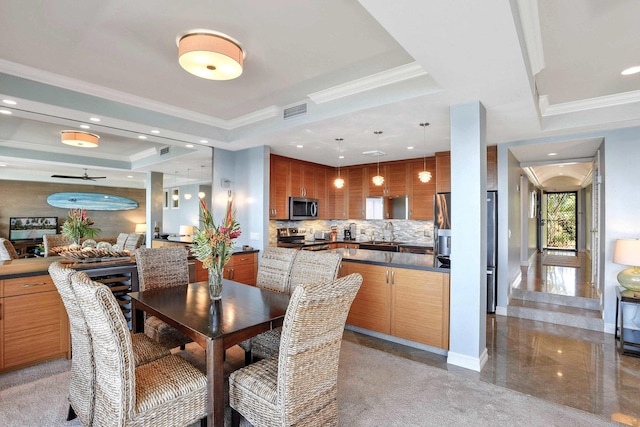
(291, 237)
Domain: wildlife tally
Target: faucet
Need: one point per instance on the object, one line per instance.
(389, 226)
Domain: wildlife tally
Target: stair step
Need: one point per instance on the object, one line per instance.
(544, 297)
(556, 313)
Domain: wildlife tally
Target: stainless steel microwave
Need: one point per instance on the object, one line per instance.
(303, 208)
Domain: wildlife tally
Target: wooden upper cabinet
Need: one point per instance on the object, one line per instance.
(443, 172)
(492, 168)
(421, 193)
(395, 179)
(278, 188)
(355, 185)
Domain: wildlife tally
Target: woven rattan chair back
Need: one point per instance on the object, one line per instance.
(299, 387)
(112, 350)
(134, 241)
(313, 267)
(162, 267)
(51, 241)
(274, 268)
(81, 382)
(121, 240)
(7, 251)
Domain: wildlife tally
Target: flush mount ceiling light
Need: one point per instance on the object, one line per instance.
(425, 175)
(378, 180)
(210, 55)
(79, 139)
(339, 182)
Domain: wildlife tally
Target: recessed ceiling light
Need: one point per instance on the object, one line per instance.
(341, 157)
(142, 137)
(9, 101)
(3, 165)
(300, 146)
(561, 173)
(156, 131)
(204, 141)
(85, 126)
(189, 145)
(7, 112)
(552, 154)
(94, 119)
(409, 148)
(631, 70)
(129, 176)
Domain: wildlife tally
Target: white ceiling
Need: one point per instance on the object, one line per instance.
(541, 69)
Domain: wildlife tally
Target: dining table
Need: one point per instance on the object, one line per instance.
(243, 311)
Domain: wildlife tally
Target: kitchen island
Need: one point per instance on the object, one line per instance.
(404, 297)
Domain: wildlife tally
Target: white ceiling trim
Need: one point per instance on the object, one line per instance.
(256, 116)
(530, 21)
(64, 82)
(557, 162)
(607, 101)
(532, 176)
(143, 154)
(374, 81)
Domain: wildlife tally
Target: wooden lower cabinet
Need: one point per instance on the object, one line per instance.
(243, 268)
(34, 326)
(405, 303)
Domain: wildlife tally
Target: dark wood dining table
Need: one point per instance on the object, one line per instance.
(243, 312)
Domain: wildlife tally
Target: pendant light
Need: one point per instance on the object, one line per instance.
(201, 193)
(187, 196)
(425, 175)
(339, 182)
(175, 196)
(378, 180)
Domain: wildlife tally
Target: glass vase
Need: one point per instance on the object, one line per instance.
(215, 284)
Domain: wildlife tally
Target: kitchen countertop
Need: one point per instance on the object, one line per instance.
(318, 242)
(391, 259)
(26, 267)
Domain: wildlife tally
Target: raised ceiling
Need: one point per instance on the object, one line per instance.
(541, 69)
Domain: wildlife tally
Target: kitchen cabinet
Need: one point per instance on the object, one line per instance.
(422, 193)
(395, 179)
(401, 302)
(443, 172)
(492, 168)
(355, 196)
(34, 326)
(242, 267)
(279, 188)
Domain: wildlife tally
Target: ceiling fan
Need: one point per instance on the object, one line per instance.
(83, 177)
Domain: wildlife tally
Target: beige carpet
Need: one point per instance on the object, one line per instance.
(561, 260)
(374, 389)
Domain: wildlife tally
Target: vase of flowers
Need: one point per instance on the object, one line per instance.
(78, 225)
(213, 245)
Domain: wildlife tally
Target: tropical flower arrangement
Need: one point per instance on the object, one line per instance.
(78, 225)
(213, 245)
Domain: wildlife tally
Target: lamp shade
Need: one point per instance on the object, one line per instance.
(627, 252)
(186, 230)
(210, 56)
(79, 139)
(141, 228)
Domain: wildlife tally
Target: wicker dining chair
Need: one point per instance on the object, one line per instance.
(311, 267)
(81, 392)
(299, 386)
(168, 391)
(273, 274)
(7, 250)
(53, 241)
(134, 241)
(121, 240)
(163, 268)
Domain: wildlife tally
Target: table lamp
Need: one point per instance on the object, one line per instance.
(627, 252)
(186, 230)
(141, 228)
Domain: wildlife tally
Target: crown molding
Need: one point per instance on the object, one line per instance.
(530, 21)
(256, 116)
(606, 101)
(384, 78)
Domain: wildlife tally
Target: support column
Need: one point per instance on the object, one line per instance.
(468, 295)
(154, 202)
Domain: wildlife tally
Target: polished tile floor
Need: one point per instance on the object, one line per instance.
(571, 366)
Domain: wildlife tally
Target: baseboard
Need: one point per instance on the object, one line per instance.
(468, 362)
(419, 346)
(501, 311)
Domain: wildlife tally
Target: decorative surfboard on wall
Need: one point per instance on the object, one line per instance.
(91, 201)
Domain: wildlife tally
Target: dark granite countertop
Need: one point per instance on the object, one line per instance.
(391, 259)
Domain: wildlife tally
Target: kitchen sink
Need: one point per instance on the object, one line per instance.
(381, 245)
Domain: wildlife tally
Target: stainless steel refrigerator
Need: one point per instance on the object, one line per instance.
(442, 240)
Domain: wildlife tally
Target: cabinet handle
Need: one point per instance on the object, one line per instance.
(386, 276)
(33, 285)
(393, 277)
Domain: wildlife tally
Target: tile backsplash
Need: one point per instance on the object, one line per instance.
(405, 231)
